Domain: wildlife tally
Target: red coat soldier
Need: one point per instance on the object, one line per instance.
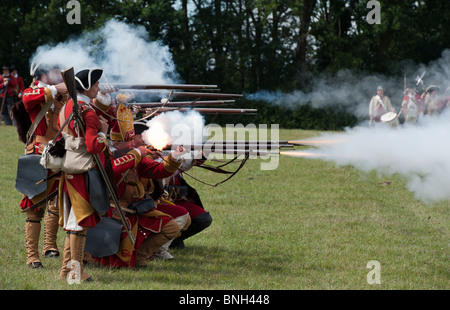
(43, 100)
(412, 105)
(199, 217)
(151, 227)
(76, 214)
(8, 86)
(20, 84)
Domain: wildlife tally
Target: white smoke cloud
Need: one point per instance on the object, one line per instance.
(420, 153)
(123, 51)
(352, 91)
(347, 90)
(175, 127)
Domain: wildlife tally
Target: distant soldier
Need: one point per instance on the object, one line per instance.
(412, 105)
(379, 105)
(8, 86)
(42, 103)
(20, 84)
(432, 101)
(446, 99)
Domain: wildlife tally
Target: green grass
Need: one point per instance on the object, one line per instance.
(306, 225)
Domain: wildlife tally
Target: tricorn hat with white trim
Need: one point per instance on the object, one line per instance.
(431, 88)
(86, 78)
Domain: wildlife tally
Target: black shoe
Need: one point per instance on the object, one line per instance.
(90, 279)
(36, 265)
(51, 254)
(177, 244)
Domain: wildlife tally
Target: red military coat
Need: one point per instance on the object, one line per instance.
(33, 99)
(417, 99)
(141, 225)
(20, 84)
(10, 88)
(73, 186)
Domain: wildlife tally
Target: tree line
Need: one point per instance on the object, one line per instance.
(247, 45)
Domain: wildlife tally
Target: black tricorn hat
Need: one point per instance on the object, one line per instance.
(86, 78)
(139, 128)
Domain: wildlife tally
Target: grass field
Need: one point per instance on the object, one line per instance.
(308, 225)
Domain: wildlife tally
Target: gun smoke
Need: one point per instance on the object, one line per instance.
(175, 127)
(350, 91)
(420, 153)
(123, 51)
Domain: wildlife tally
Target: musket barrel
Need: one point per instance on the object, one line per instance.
(204, 95)
(246, 152)
(211, 110)
(181, 103)
(160, 86)
(241, 152)
(247, 141)
(226, 149)
(225, 146)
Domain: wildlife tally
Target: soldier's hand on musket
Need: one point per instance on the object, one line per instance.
(148, 111)
(180, 151)
(107, 89)
(103, 124)
(62, 88)
(157, 154)
(199, 158)
(144, 151)
(134, 109)
(124, 98)
(154, 154)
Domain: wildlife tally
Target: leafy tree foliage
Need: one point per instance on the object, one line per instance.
(247, 45)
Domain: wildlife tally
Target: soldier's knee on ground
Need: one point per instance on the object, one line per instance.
(203, 220)
(171, 230)
(188, 223)
(183, 221)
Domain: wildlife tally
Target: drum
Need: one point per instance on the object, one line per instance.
(389, 118)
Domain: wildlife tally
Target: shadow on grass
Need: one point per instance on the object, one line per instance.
(195, 267)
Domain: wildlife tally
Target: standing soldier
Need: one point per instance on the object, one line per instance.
(20, 84)
(412, 105)
(42, 102)
(432, 101)
(379, 105)
(446, 99)
(8, 86)
(76, 213)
